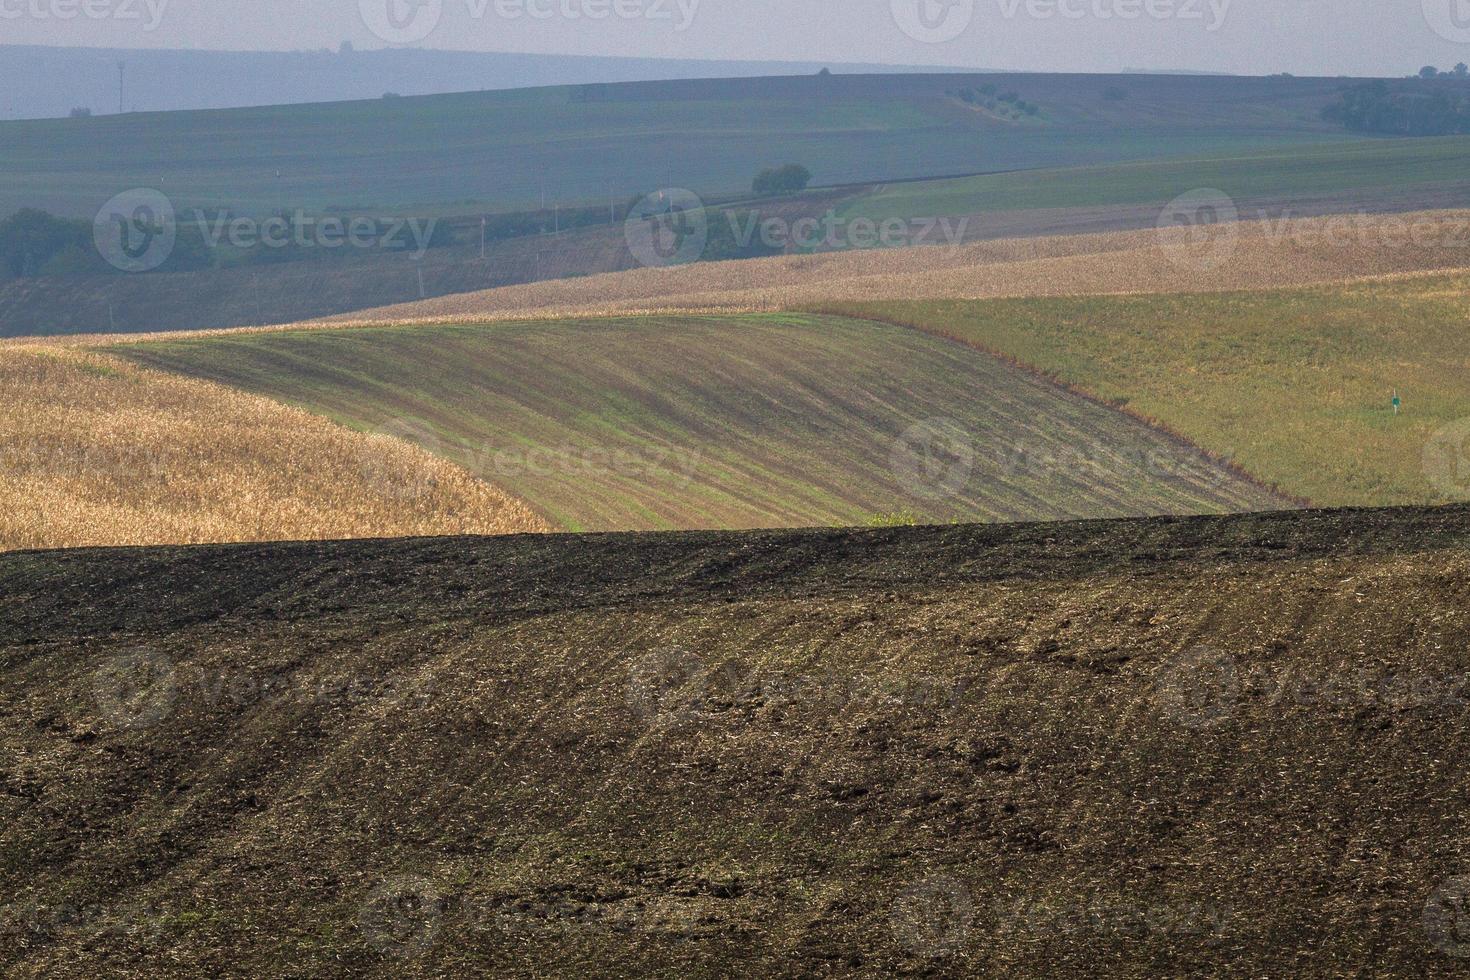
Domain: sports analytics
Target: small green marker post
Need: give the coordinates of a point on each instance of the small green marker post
(1397, 402)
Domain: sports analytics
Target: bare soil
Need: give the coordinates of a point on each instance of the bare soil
(1221, 746)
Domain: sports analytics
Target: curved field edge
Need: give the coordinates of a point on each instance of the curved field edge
(1257, 254)
(1018, 750)
(728, 422)
(100, 451)
(1292, 386)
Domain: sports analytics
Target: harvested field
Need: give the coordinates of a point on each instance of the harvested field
(1293, 385)
(98, 451)
(1246, 255)
(728, 422)
(1229, 746)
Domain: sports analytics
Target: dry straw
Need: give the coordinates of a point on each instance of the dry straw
(100, 452)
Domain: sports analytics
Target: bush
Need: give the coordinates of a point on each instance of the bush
(81, 112)
(790, 179)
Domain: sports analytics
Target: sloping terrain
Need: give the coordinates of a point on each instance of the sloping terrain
(584, 144)
(1294, 385)
(1354, 174)
(1172, 747)
(1243, 255)
(727, 422)
(98, 451)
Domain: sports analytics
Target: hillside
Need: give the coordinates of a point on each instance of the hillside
(97, 451)
(1293, 385)
(525, 148)
(1376, 177)
(1181, 747)
(50, 81)
(1246, 255)
(1339, 178)
(733, 422)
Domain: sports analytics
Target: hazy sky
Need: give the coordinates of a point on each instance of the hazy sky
(1329, 37)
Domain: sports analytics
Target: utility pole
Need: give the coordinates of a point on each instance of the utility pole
(482, 238)
(122, 68)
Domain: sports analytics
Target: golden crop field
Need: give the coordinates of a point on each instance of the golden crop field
(1243, 255)
(97, 451)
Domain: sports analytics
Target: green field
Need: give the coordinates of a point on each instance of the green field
(757, 421)
(1358, 168)
(1293, 386)
(516, 149)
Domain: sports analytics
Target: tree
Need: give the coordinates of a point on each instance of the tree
(790, 179)
(81, 112)
(29, 239)
(1429, 71)
(1461, 70)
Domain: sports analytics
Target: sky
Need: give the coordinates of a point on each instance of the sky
(1305, 37)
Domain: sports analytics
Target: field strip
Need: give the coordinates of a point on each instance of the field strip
(99, 451)
(731, 421)
(1259, 256)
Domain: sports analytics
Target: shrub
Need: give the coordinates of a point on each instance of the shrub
(789, 179)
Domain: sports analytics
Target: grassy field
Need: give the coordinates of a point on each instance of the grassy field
(517, 149)
(1352, 172)
(1292, 385)
(974, 751)
(97, 451)
(762, 421)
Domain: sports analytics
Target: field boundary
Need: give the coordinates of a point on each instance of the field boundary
(1042, 374)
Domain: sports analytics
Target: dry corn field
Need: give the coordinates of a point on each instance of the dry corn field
(1247, 255)
(100, 452)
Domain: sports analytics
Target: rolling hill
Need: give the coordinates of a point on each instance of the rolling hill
(1333, 177)
(1246, 255)
(537, 147)
(97, 451)
(729, 422)
(1172, 747)
(1294, 385)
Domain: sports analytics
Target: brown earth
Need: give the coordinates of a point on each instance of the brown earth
(1220, 746)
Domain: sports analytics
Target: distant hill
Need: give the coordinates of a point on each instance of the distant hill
(589, 143)
(46, 82)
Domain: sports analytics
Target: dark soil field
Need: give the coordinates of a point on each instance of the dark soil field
(1205, 746)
